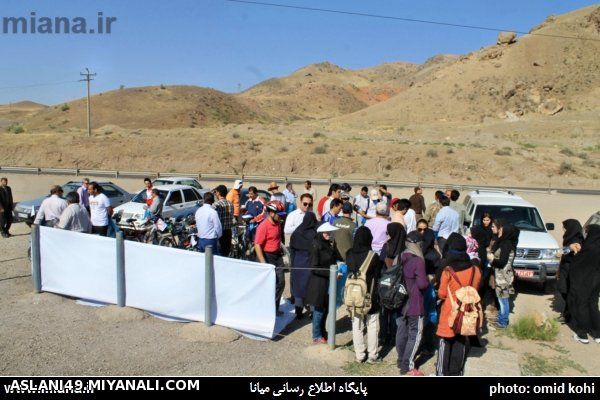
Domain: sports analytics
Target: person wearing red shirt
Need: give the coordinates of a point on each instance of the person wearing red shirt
(267, 244)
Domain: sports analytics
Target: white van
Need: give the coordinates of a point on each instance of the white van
(536, 251)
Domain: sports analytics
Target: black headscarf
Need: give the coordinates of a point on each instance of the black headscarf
(360, 248)
(510, 233)
(395, 244)
(573, 232)
(456, 254)
(483, 241)
(304, 235)
(453, 242)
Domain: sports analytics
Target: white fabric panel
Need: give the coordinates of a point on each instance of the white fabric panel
(158, 279)
(245, 294)
(78, 264)
(164, 280)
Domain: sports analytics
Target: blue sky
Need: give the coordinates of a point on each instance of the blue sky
(227, 46)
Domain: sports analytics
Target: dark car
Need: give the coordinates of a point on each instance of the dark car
(25, 211)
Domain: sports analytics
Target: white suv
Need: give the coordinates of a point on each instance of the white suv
(536, 251)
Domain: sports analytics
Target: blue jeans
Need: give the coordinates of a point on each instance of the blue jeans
(203, 243)
(319, 317)
(504, 311)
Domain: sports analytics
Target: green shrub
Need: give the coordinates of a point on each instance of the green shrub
(527, 328)
(432, 153)
(567, 152)
(505, 151)
(565, 168)
(15, 128)
(65, 107)
(320, 150)
(318, 135)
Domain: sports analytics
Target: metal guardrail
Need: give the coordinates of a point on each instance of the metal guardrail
(291, 179)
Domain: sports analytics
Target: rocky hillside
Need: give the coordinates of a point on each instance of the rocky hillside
(517, 77)
(326, 90)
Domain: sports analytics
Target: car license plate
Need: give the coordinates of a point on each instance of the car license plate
(524, 273)
(23, 215)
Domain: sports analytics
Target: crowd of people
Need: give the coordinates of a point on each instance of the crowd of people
(374, 235)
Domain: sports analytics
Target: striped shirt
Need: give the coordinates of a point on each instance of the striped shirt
(225, 210)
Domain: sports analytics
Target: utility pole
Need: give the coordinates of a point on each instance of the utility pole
(88, 78)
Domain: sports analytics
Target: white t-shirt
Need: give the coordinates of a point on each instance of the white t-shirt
(99, 210)
(411, 220)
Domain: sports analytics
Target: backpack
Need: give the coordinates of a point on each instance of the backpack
(392, 288)
(466, 315)
(357, 298)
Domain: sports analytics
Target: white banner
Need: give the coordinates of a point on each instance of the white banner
(78, 265)
(245, 294)
(161, 280)
(165, 280)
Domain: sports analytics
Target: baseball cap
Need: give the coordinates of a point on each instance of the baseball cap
(238, 184)
(374, 194)
(381, 208)
(347, 208)
(326, 227)
(394, 201)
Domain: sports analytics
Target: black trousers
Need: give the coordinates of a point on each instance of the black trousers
(100, 230)
(225, 243)
(277, 260)
(5, 221)
(452, 356)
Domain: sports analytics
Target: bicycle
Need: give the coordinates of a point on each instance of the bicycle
(242, 245)
(179, 234)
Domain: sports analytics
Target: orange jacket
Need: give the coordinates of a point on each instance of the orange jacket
(234, 197)
(444, 329)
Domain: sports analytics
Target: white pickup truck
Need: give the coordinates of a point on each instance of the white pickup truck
(536, 251)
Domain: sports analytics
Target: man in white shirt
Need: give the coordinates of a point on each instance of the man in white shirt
(100, 210)
(294, 219)
(208, 225)
(362, 203)
(408, 214)
(51, 208)
(75, 217)
(309, 189)
(446, 222)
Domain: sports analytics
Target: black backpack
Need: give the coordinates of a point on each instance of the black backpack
(392, 288)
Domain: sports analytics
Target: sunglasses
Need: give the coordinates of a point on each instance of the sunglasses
(307, 204)
(422, 229)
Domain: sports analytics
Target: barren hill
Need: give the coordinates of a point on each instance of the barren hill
(148, 107)
(536, 75)
(14, 113)
(22, 106)
(326, 90)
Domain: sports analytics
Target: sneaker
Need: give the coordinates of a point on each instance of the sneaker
(320, 341)
(597, 340)
(581, 339)
(374, 361)
(414, 372)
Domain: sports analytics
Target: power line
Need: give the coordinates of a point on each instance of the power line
(421, 21)
(37, 85)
